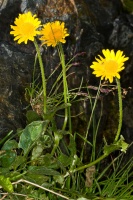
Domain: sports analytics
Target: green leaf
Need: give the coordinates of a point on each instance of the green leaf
(59, 179)
(13, 175)
(10, 144)
(57, 137)
(63, 106)
(65, 160)
(119, 145)
(31, 134)
(32, 116)
(39, 179)
(2, 153)
(44, 142)
(42, 170)
(18, 161)
(6, 184)
(4, 171)
(72, 145)
(122, 144)
(37, 151)
(48, 160)
(110, 148)
(8, 159)
(51, 112)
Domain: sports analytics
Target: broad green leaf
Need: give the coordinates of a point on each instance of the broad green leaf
(31, 134)
(59, 179)
(6, 184)
(18, 161)
(75, 162)
(72, 160)
(47, 160)
(2, 153)
(65, 160)
(4, 171)
(44, 142)
(8, 159)
(13, 175)
(10, 144)
(37, 151)
(32, 116)
(47, 141)
(42, 170)
(36, 178)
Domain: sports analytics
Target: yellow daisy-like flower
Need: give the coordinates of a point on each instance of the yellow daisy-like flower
(53, 33)
(110, 66)
(26, 27)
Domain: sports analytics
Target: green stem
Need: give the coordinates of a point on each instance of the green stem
(120, 110)
(43, 77)
(65, 87)
(90, 164)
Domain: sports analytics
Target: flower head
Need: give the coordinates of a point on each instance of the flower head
(53, 33)
(110, 66)
(26, 27)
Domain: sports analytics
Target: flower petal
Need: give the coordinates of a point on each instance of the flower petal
(25, 27)
(110, 66)
(53, 33)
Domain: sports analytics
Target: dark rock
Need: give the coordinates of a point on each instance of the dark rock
(15, 75)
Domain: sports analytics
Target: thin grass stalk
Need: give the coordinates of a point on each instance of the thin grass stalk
(126, 190)
(6, 137)
(91, 117)
(123, 177)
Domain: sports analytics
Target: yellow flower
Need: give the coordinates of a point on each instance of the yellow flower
(110, 66)
(53, 33)
(26, 27)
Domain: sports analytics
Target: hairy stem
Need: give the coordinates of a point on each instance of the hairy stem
(65, 89)
(43, 77)
(120, 110)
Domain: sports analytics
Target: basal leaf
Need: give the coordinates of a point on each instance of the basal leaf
(10, 144)
(39, 179)
(8, 159)
(72, 145)
(65, 160)
(31, 134)
(6, 184)
(37, 151)
(18, 161)
(32, 116)
(42, 171)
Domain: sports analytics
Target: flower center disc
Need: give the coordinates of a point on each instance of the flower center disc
(56, 35)
(27, 28)
(110, 67)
